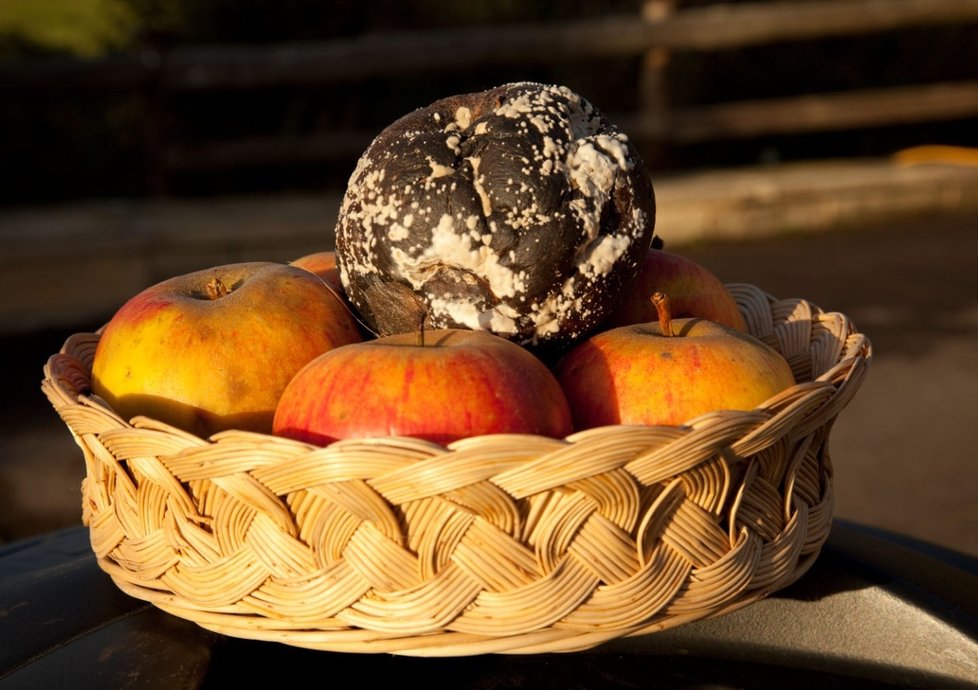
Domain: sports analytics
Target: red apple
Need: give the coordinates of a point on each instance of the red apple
(214, 349)
(668, 372)
(692, 288)
(456, 384)
(323, 264)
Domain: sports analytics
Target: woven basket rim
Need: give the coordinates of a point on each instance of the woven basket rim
(860, 350)
(740, 500)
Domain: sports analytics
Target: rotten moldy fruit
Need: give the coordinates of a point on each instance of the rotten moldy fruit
(520, 210)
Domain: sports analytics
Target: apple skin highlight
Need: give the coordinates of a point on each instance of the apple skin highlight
(458, 384)
(637, 375)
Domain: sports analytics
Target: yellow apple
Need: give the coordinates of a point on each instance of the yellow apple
(214, 349)
(668, 372)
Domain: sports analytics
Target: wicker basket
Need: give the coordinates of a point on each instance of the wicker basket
(516, 544)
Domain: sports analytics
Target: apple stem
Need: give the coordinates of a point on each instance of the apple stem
(424, 315)
(216, 288)
(661, 302)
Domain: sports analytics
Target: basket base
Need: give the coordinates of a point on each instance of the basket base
(824, 629)
(433, 645)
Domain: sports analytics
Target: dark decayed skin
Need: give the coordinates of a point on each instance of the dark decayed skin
(520, 210)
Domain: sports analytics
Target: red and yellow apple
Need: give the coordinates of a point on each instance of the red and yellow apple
(214, 349)
(668, 372)
(455, 384)
(694, 291)
(323, 264)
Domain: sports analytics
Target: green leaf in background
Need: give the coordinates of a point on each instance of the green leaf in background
(87, 28)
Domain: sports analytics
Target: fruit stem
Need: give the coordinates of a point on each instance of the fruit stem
(216, 288)
(661, 302)
(424, 315)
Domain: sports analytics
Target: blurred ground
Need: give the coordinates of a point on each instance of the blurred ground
(904, 450)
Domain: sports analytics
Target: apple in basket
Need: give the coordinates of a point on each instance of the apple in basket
(214, 349)
(323, 264)
(668, 372)
(693, 290)
(440, 385)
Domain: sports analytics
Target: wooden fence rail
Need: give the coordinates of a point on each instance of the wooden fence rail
(710, 28)
(702, 29)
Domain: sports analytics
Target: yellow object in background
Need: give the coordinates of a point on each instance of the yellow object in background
(87, 28)
(937, 154)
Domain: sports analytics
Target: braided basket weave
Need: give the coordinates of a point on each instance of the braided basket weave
(509, 543)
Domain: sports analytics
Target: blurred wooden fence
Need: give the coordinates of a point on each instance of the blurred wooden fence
(81, 260)
(663, 29)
